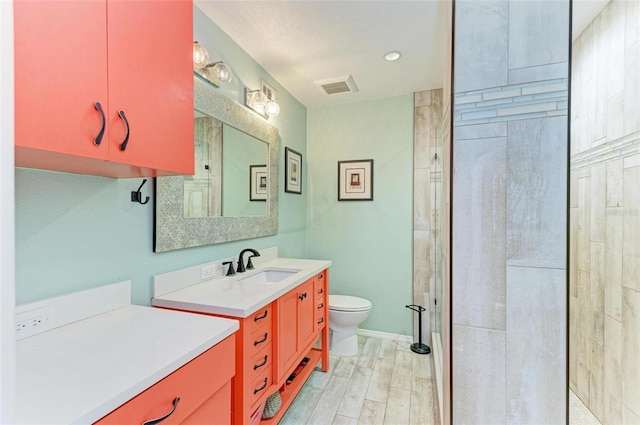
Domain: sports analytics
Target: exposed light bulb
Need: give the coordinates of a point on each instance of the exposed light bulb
(259, 99)
(272, 108)
(221, 71)
(200, 56)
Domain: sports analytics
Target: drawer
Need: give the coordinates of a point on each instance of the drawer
(260, 363)
(259, 339)
(259, 387)
(258, 319)
(319, 319)
(194, 383)
(319, 286)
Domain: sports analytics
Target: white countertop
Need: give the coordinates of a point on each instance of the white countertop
(82, 371)
(226, 296)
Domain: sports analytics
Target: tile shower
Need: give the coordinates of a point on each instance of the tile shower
(604, 289)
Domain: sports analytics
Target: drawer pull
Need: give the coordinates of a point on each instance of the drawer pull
(320, 276)
(321, 306)
(260, 341)
(257, 390)
(157, 421)
(98, 138)
(321, 291)
(123, 145)
(321, 321)
(255, 319)
(302, 296)
(259, 365)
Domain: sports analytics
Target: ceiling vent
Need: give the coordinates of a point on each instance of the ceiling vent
(338, 85)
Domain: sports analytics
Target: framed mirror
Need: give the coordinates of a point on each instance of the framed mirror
(227, 198)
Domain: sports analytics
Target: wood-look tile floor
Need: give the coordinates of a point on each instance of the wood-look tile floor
(386, 383)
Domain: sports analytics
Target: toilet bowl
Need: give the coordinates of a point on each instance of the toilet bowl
(345, 314)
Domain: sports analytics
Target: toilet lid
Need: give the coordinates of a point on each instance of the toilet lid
(348, 303)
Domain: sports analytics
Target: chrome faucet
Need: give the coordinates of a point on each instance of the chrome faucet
(241, 267)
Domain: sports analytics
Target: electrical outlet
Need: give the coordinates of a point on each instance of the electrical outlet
(208, 272)
(33, 322)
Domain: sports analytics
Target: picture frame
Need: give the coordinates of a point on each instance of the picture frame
(355, 180)
(292, 171)
(258, 182)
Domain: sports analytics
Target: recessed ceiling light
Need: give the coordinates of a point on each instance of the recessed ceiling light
(394, 55)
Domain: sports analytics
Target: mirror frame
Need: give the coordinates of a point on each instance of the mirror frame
(171, 229)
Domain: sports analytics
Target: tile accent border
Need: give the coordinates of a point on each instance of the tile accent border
(539, 99)
(619, 148)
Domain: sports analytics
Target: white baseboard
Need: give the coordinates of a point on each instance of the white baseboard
(437, 360)
(386, 335)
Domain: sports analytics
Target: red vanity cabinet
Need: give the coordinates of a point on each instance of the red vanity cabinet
(203, 386)
(129, 56)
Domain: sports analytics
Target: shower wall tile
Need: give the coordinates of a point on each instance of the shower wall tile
(422, 98)
(538, 33)
(614, 183)
(584, 328)
(481, 44)
(421, 136)
(612, 371)
(631, 348)
(598, 201)
(421, 199)
(631, 229)
(537, 192)
(574, 338)
(615, 48)
(573, 250)
(421, 267)
(573, 189)
(596, 381)
(629, 417)
(631, 67)
(597, 293)
(478, 376)
(536, 319)
(613, 263)
(583, 256)
(480, 131)
(479, 232)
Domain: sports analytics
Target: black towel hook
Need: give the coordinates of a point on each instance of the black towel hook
(136, 196)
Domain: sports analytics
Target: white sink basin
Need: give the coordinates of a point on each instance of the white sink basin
(267, 276)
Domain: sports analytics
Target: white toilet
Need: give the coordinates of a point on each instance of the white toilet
(345, 314)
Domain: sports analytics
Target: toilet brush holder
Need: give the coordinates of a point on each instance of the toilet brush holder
(419, 347)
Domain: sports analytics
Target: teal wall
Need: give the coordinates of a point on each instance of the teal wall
(74, 232)
(370, 243)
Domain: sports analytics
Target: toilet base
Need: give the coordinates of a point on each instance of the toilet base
(344, 343)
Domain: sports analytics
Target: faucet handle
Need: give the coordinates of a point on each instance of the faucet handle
(230, 272)
(250, 263)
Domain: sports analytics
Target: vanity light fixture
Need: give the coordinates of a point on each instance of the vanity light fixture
(215, 72)
(262, 101)
(393, 55)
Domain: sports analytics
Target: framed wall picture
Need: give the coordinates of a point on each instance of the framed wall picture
(292, 171)
(355, 180)
(258, 182)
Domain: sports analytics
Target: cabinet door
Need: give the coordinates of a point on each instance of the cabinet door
(151, 81)
(60, 73)
(287, 342)
(306, 314)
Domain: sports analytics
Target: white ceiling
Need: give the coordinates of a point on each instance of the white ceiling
(299, 42)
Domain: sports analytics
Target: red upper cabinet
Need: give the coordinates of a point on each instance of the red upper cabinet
(131, 57)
